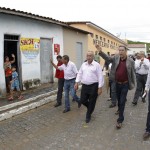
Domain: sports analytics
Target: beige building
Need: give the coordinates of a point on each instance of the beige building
(75, 43)
(100, 36)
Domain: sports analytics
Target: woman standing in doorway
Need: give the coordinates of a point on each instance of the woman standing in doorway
(8, 72)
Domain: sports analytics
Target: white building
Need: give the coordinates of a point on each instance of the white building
(34, 40)
(136, 48)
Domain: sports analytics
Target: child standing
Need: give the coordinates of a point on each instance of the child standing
(14, 84)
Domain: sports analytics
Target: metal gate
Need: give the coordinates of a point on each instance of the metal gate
(79, 55)
(46, 67)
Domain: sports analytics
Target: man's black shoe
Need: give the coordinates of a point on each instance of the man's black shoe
(88, 119)
(112, 105)
(66, 110)
(73, 100)
(117, 112)
(57, 104)
(79, 104)
(146, 135)
(134, 103)
(143, 100)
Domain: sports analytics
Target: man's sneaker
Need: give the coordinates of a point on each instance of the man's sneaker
(66, 110)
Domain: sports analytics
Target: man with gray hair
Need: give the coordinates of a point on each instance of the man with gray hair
(141, 68)
(91, 77)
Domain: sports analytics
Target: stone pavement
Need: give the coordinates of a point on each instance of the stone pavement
(47, 128)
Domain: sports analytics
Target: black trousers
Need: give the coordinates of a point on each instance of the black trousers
(141, 81)
(60, 90)
(88, 97)
(148, 115)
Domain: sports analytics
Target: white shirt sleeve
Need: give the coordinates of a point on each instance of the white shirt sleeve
(147, 86)
(137, 64)
(75, 69)
(100, 76)
(79, 75)
(146, 63)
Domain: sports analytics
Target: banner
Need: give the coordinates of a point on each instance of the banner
(30, 47)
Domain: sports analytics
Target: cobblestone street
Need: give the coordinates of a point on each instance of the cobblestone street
(47, 128)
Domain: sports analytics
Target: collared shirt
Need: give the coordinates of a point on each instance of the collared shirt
(90, 73)
(121, 72)
(143, 68)
(59, 73)
(147, 86)
(70, 70)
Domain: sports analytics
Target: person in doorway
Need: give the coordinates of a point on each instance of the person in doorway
(123, 73)
(8, 71)
(141, 68)
(60, 76)
(91, 77)
(15, 85)
(70, 73)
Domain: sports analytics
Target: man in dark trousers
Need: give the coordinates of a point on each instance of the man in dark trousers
(60, 75)
(123, 73)
(146, 135)
(91, 77)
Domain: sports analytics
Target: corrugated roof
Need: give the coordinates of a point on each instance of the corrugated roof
(37, 17)
(30, 15)
(136, 45)
(90, 23)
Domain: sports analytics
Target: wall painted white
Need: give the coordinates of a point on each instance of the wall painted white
(133, 51)
(27, 28)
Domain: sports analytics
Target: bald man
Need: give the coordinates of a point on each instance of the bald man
(91, 77)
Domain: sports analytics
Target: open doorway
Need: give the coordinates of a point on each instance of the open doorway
(11, 46)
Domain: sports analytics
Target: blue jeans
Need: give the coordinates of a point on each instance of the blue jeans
(69, 87)
(122, 91)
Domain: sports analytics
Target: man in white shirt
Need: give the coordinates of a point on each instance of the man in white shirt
(91, 77)
(70, 73)
(141, 69)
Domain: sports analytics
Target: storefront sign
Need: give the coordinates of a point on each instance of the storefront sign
(30, 47)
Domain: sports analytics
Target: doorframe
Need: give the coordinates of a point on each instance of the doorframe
(19, 64)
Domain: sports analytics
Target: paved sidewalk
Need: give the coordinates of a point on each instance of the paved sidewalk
(44, 88)
(47, 128)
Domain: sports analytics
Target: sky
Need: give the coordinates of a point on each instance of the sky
(127, 19)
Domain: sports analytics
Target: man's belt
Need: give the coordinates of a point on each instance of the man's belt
(122, 82)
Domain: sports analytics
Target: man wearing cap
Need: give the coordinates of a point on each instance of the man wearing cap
(123, 73)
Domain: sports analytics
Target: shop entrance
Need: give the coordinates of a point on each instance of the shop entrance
(11, 46)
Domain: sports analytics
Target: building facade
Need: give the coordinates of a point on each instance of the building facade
(34, 40)
(98, 35)
(136, 48)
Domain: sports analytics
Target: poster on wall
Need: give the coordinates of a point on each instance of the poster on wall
(56, 49)
(30, 48)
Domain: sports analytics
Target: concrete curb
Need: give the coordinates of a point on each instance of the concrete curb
(10, 111)
(20, 107)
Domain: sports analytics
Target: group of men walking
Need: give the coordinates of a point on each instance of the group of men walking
(123, 74)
